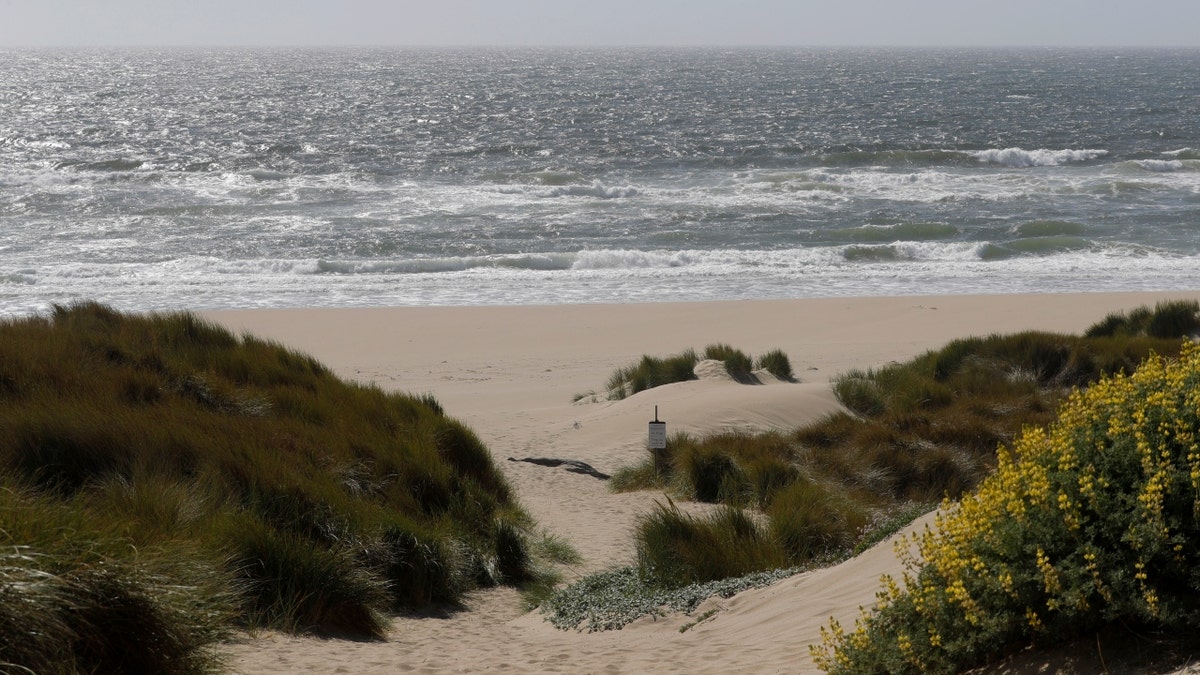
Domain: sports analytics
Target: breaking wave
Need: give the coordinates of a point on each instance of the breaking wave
(553, 190)
(1020, 158)
(538, 261)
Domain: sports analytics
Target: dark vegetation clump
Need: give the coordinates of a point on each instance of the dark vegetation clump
(676, 549)
(914, 434)
(776, 363)
(163, 480)
(1172, 318)
(737, 363)
(654, 371)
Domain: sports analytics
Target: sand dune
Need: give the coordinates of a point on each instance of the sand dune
(511, 374)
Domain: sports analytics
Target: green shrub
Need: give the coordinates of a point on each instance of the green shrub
(767, 475)
(1092, 522)
(777, 363)
(292, 585)
(105, 617)
(858, 391)
(676, 549)
(930, 426)
(513, 561)
(73, 599)
(1173, 319)
(810, 520)
(546, 553)
(652, 372)
(734, 467)
(712, 474)
(1110, 326)
(1168, 319)
(737, 363)
(641, 476)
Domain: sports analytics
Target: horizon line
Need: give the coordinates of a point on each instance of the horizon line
(595, 46)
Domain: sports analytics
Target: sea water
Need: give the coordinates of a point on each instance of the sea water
(168, 179)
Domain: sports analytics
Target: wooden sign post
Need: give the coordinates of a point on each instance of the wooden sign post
(658, 444)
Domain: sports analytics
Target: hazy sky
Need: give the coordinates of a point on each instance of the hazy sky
(602, 22)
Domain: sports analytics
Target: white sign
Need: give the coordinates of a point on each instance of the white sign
(658, 435)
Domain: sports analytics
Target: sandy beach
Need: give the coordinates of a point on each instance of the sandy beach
(512, 374)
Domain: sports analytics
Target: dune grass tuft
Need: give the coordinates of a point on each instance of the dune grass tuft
(653, 371)
(1168, 319)
(548, 552)
(737, 363)
(777, 363)
(76, 597)
(306, 503)
(676, 549)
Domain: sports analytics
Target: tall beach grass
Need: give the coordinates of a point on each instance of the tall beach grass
(163, 464)
(654, 371)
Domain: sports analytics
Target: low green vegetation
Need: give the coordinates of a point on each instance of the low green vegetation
(916, 433)
(612, 600)
(1167, 320)
(550, 553)
(76, 596)
(1091, 523)
(736, 362)
(162, 480)
(924, 430)
(776, 363)
(677, 549)
(654, 371)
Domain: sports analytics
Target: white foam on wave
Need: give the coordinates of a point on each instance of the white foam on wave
(734, 261)
(21, 277)
(1021, 158)
(930, 186)
(648, 263)
(595, 190)
(266, 175)
(25, 143)
(910, 251)
(200, 282)
(556, 185)
(935, 251)
(633, 259)
(1161, 165)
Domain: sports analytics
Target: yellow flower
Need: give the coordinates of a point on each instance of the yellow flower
(1032, 617)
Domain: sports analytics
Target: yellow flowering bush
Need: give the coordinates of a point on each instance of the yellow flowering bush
(1093, 520)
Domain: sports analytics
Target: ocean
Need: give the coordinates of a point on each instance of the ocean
(203, 179)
